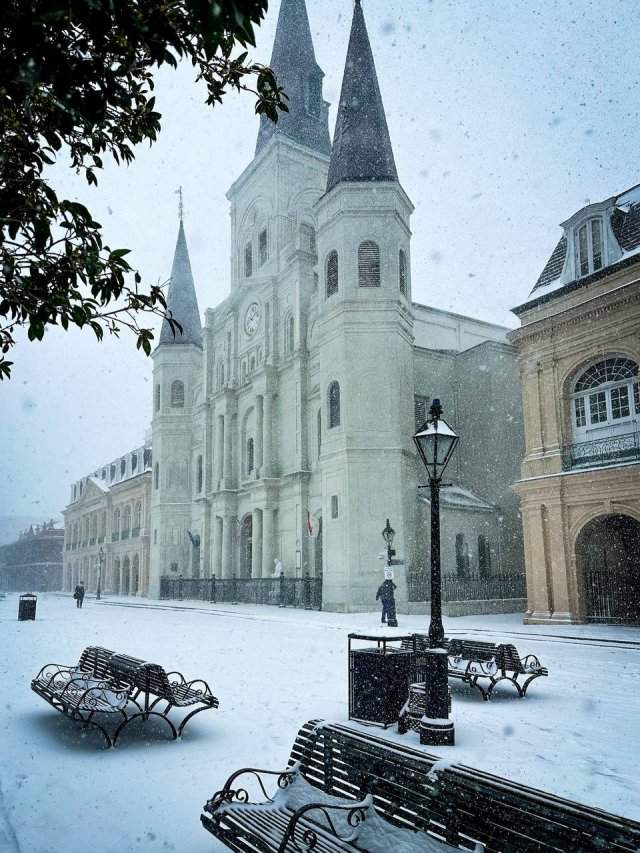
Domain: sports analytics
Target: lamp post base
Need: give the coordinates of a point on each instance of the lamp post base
(437, 732)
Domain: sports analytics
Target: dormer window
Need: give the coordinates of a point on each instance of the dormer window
(589, 248)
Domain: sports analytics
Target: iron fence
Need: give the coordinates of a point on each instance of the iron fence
(602, 451)
(612, 597)
(469, 588)
(305, 592)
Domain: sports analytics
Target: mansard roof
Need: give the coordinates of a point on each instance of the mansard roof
(361, 144)
(621, 217)
(182, 301)
(294, 63)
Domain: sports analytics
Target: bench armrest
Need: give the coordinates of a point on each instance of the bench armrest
(531, 663)
(356, 814)
(51, 670)
(230, 794)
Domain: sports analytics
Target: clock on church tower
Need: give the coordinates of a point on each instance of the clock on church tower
(252, 319)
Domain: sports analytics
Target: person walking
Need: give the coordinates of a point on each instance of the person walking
(385, 595)
(79, 594)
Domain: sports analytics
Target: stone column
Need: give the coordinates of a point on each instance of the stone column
(227, 541)
(267, 448)
(217, 547)
(259, 460)
(267, 542)
(256, 550)
(228, 460)
(219, 449)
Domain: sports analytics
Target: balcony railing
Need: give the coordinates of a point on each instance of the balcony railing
(608, 450)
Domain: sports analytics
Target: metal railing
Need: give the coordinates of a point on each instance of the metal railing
(612, 597)
(602, 451)
(305, 592)
(470, 588)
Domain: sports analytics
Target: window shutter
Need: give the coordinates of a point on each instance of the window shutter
(369, 264)
(332, 274)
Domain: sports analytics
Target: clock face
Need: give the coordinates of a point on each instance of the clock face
(252, 318)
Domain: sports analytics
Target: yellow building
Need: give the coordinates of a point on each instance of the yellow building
(579, 351)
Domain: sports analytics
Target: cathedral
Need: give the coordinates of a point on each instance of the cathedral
(282, 426)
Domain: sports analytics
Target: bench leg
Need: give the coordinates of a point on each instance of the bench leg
(145, 716)
(473, 682)
(523, 687)
(88, 721)
(495, 681)
(189, 716)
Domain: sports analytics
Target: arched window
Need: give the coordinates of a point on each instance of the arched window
(332, 273)
(103, 525)
(484, 556)
(262, 246)
(156, 475)
(402, 271)
(137, 517)
(199, 472)
(126, 520)
(319, 431)
(177, 394)
(116, 522)
(589, 247)
(606, 399)
(462, 556)
(157, 398)
(248, 261)
(334, 405)
(249, 455)
(369, 264)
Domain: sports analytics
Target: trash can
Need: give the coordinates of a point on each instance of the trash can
(27, 606)
(379, 678)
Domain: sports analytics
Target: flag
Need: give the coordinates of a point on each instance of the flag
(310, 530)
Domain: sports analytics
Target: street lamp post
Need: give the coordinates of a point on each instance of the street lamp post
(435, 442)
(388, 535)
(100, 562)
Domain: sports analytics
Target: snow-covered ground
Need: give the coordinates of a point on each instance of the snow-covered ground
(577, 733)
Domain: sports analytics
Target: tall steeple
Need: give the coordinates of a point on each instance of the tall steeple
(361, 145)
(181, 299)
(294, 63)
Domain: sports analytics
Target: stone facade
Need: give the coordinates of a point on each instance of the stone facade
(579, 351)
(292, 411)
(109, 513)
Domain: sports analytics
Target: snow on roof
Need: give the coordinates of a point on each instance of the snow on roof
(455, 497)
(99, 483)
(629, 198)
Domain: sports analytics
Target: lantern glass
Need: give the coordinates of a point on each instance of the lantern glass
(388, 534)
(435, 442)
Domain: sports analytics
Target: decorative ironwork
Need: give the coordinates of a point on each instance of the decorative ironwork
(277, 591)
(471, 588)
(602, 451)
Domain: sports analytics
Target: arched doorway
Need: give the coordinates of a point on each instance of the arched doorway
(608, 561)
(125, 579)
(115, 578)
(246, 546)
(135, 575)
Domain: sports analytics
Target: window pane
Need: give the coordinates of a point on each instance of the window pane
(581, 415)
(248, 261)
(598, 407)
(636, 397)
(262, 246)
(369, 264)
(596, 243)
(620, 402)
(402, 264)
(583, 251)
(332, 274)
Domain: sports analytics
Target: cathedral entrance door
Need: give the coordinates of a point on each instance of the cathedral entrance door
(246, 546)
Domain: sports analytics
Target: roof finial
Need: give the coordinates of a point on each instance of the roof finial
(180, 203)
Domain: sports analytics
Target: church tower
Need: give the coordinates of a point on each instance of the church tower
(177, 371)
(365, 341)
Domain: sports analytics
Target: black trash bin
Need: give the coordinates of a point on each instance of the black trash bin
(379, 678)
(27, 606)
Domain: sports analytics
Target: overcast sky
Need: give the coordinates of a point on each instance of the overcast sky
(504, 118)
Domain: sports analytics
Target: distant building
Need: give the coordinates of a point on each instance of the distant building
(293, 409)
(109, 512)
(34, 562)
(579, 350)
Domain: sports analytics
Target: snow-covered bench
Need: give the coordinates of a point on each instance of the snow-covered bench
(84, 692)
(346, 789)
(473, 661)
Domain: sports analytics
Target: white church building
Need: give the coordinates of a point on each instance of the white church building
(282, 427)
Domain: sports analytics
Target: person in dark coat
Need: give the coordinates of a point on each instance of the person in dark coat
(79, 594)
(385, 594)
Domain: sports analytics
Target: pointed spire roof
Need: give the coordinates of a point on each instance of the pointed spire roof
(361, 144)
(294, 63)
(181, 299)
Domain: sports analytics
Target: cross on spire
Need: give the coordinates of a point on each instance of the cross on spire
(180, 203)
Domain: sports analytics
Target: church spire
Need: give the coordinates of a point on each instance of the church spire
(181, 299)
(361, 145)
(294, 63)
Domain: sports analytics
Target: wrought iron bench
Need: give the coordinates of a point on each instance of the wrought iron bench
(473, 660)
(83, 691)
(151, 685)
(359, 791)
